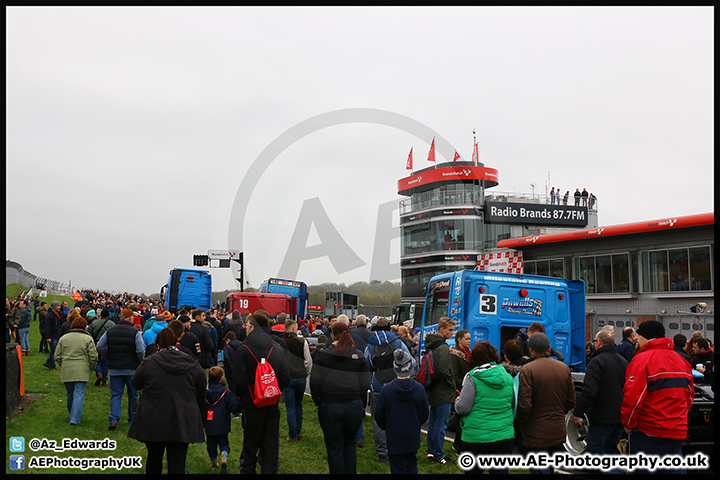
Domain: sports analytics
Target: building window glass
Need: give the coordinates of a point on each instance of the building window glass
(530, 268)
(677, 270)
(603, 274)
(658, 271)
(416, 239)
(556, 268)
(700, 268)
(415, 280)
(543, 268)
(621, 274)
(586, 272)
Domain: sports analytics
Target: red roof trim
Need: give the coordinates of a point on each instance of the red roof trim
(625, 229)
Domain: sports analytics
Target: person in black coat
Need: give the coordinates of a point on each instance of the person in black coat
(339, 382)
(168, 414)
(680, 341)
(236, 325)
(627, 346)
(602, 395)
(196, 327)
(261, 424)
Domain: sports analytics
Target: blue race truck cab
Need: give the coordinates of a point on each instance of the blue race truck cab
(495, 306)
(294, 289)
(187, 287)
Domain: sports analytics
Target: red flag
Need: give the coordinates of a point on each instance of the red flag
(431, 155)
(475, 153)
(408, 165)
(457, 155)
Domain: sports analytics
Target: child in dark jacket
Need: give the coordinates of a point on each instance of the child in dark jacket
(401, 410)
(219, 404)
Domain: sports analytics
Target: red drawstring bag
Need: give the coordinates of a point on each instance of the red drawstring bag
(266, 390)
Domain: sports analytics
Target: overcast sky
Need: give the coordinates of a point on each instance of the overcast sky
(130, 130)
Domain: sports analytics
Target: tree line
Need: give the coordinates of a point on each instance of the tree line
(374, 292)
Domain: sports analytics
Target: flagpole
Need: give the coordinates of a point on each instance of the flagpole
(477, 154)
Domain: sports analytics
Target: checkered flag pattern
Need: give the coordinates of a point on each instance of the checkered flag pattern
(513, 259)
(537, 308)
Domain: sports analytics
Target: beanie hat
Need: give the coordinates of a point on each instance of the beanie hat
(154, 311)
(91, 314)
(539, 342)
(651, 329)
(54, 304)
(262, 318)
(403, 364)
(167, 315)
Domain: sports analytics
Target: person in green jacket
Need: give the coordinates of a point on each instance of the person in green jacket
(486, 405)
(443, 393)
(76, 356)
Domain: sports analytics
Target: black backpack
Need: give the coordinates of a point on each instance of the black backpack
(382, 361)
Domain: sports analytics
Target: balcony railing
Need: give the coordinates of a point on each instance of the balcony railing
(428, 200)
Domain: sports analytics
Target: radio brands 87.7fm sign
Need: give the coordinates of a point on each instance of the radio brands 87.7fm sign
(535, 214)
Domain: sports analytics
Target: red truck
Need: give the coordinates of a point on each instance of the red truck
(273, 303)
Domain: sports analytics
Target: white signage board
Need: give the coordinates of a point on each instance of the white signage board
(223, 254)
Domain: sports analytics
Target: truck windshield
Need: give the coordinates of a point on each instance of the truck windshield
(437, 302)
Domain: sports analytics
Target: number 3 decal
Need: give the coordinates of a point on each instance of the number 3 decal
(488, 304)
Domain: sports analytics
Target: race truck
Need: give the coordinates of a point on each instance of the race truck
(297, 291)
(273, 303)
(495, 306)
(408, 314)
(187, 287)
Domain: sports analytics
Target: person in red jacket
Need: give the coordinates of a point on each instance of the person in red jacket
(657, 395)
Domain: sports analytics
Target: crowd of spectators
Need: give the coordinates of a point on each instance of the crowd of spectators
(187, 374)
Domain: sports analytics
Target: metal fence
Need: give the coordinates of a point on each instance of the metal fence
(14, 273)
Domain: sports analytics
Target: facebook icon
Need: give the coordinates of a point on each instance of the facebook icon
(17, 462)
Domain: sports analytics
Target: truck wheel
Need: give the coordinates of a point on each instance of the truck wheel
(576, 438)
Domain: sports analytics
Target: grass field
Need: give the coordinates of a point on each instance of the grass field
(48, 418)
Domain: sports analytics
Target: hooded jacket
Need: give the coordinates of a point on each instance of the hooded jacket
(172, 400)
(229, 352)
(444, 391)
(658, 392)
(76, 355)
(222, 406)
(25, 317)
(545, 394)
(379, 337)
(150, 336)
(486, 403)
(458, 360)
(402, 408)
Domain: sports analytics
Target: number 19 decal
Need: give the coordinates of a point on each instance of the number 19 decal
(488, 304)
